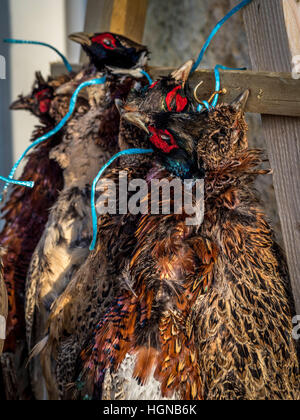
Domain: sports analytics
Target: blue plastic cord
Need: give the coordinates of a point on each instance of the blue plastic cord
(59, 126)
(216, 29)
(21, 41)
(28, 184)
(96, 180)
(147, 75)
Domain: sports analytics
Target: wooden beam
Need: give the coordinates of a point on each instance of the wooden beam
(271, 93)
(270, 51)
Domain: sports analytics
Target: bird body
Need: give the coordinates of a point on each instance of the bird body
(25, 214)
(64, 244)
(26, 211)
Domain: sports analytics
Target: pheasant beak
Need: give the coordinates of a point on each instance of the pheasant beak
(81, 38)
(241, 101)
(21, 104)
(136, 119)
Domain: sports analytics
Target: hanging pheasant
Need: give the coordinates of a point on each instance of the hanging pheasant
(168, 93)
(208, 309)
(25, 214)
(74, 314)
(90, 140)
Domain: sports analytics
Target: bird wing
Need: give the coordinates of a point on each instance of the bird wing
(3, 306)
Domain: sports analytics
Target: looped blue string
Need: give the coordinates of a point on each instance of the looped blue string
(58, 127)
(96, 180)
(22, 41)
(216, 29)
(148, 76)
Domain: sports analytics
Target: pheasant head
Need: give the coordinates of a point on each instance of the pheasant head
(39, 101)
(108, 49)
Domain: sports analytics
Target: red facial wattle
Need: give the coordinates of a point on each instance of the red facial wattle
(174, 98)
(159, 143)
(101, 39)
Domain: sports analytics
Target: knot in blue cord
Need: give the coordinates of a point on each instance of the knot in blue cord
(96, 180)
(44, 44)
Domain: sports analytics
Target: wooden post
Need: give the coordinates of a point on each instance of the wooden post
(124, 17)
(267, 29)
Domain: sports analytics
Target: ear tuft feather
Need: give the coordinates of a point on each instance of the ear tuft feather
(182, 74)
